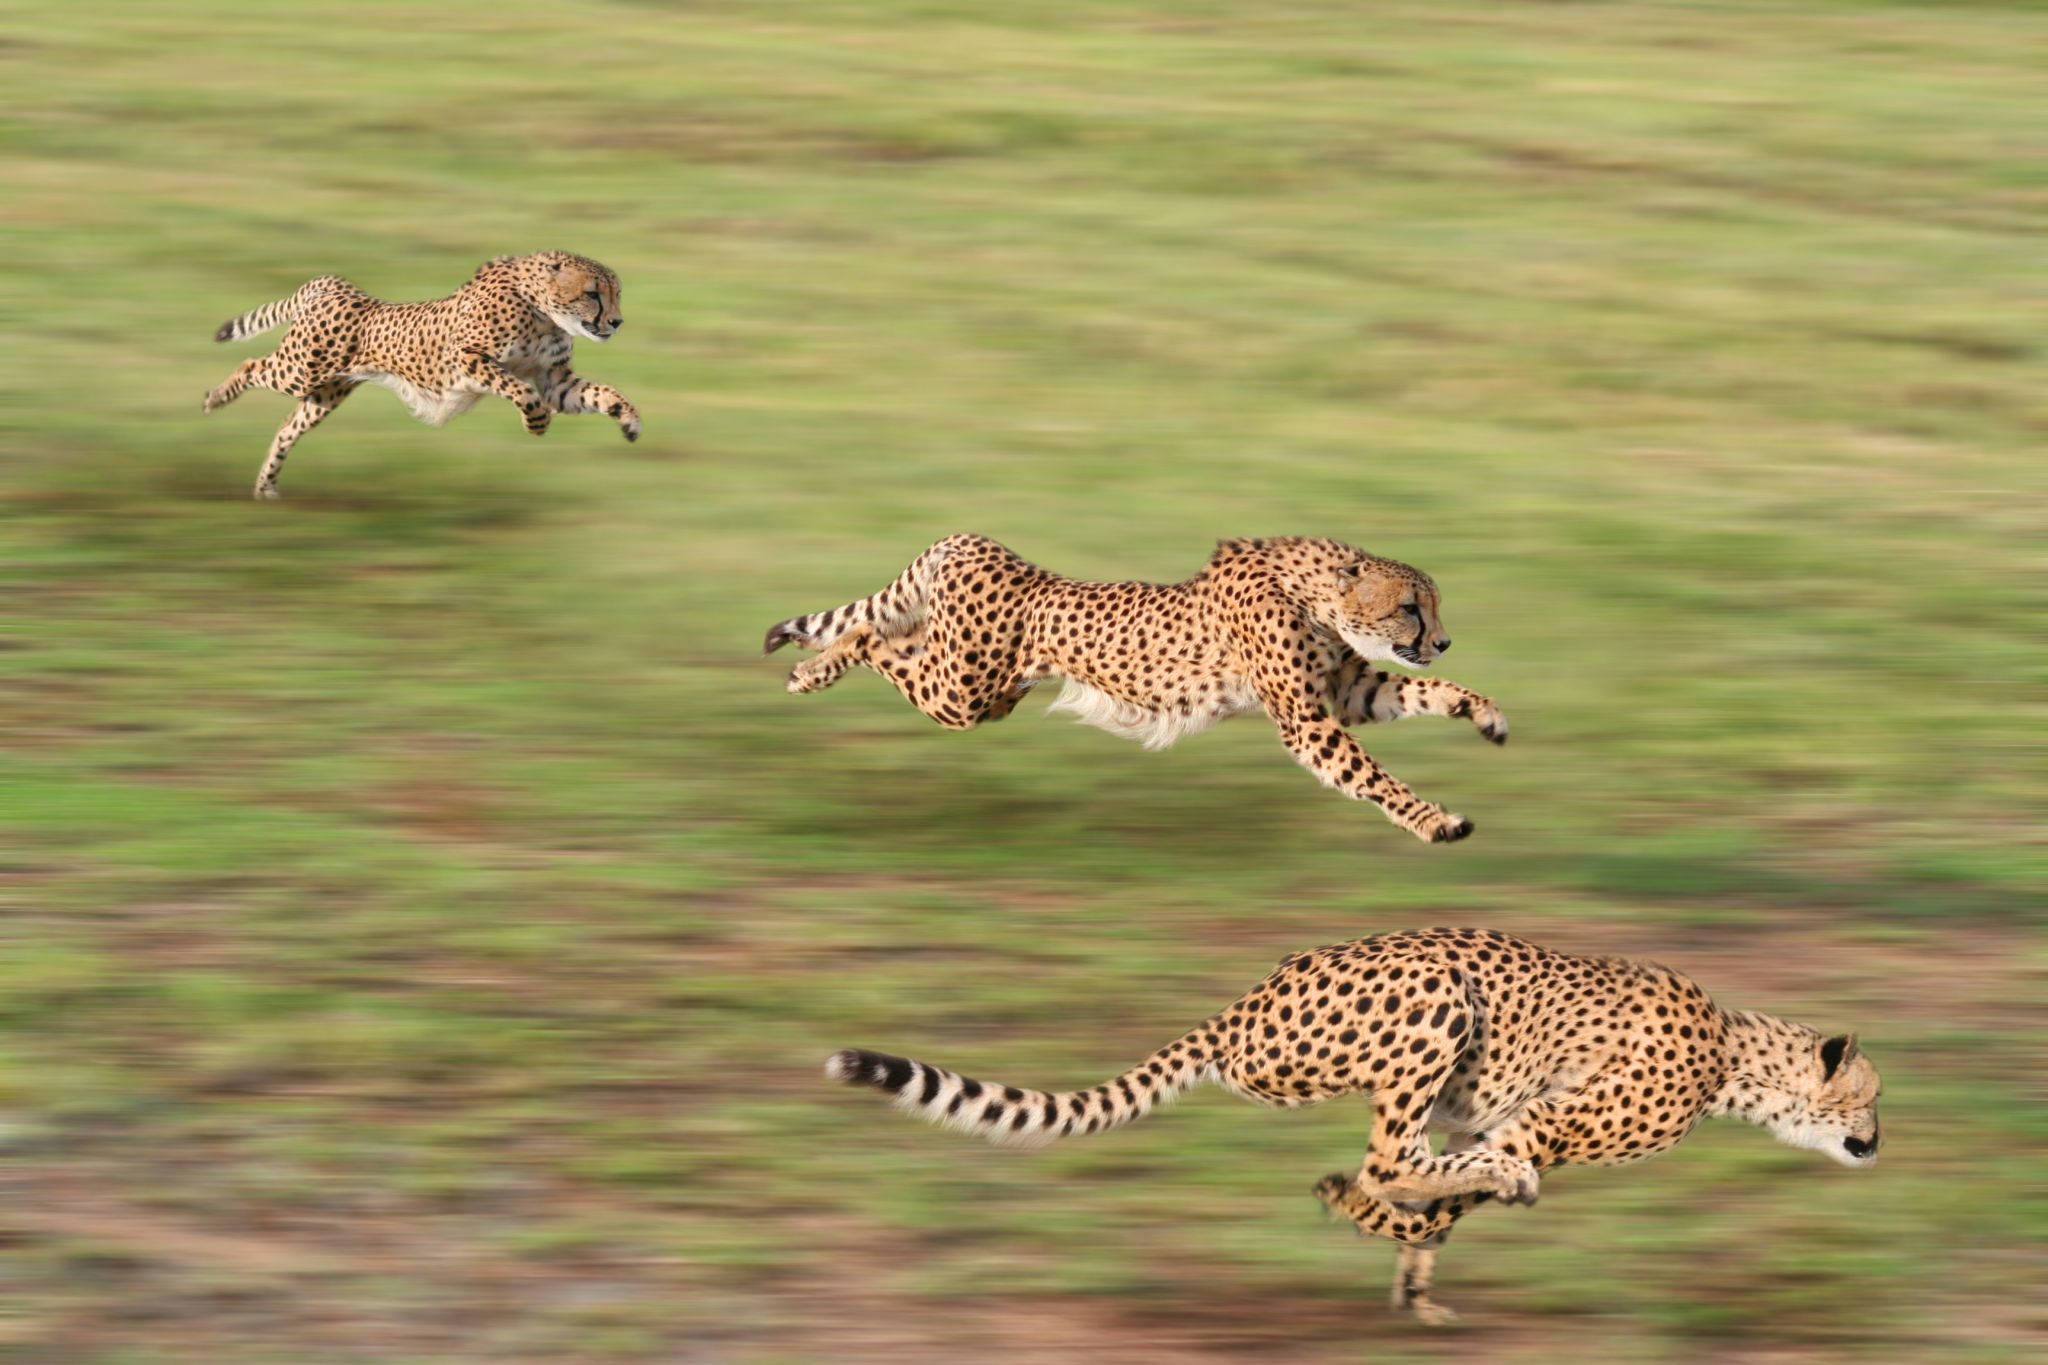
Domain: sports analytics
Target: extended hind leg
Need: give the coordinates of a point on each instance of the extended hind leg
(312, 410)
(896, 609)
(859, 646)
(927, 671)
(265, 373)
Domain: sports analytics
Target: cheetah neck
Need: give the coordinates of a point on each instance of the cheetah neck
(1764, 1057)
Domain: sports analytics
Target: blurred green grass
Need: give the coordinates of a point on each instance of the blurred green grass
(426, 915)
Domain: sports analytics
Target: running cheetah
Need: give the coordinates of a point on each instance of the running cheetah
(509, 331)
(1526, 1059)
(1286, 625)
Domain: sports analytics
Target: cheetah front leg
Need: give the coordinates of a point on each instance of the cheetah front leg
(495, 378)
(1399, 1167)
(1322, 746)
(1363, 695)
(572, 393)
(311, 412)
(1297, 699)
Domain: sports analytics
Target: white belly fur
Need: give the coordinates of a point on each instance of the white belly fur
(432, 408)
(1153, 729)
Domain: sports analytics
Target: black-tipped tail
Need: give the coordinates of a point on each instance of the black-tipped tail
(1010, 1114)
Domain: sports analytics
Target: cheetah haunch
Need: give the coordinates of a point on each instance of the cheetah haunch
(508, 332)
(1526, 1058)
(1288, 625)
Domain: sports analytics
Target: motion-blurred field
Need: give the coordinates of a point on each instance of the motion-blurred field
(426, 914)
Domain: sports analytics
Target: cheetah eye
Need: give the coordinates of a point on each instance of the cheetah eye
(1412, 610)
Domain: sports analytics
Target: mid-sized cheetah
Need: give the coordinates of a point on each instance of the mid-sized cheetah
(1288, 625)
(508, 332)
(1527, 1059)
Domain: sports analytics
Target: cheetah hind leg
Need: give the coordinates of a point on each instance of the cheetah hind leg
(250, 374)
(856, 647)
(1420, 1233)
(1413, 1278)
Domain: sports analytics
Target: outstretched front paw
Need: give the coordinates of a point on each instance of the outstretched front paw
(628, 418)
(1488, 720)
(537, 418)
(1485, 717)
(1442, 827)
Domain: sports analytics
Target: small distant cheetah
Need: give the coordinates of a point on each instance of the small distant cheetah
(1288, 625)
(509, 331)
(1526, 1058)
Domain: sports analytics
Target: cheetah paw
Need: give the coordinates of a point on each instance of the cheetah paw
(1519, 1184)
(809, 677)
(1445, 829)
(629, 427)
(1493, 726)
(1331, 1190)
(267, 492)
(1432, 1314)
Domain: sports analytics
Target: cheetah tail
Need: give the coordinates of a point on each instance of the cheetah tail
(257, 320)
(1005, 1114)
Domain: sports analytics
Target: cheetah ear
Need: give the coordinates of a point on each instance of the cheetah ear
(1351, 573)
(1835, 1053)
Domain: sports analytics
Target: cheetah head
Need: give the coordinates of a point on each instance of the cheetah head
(1833, 1104)
(581, 296)
(1385, 611)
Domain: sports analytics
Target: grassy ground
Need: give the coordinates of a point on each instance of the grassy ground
(426, 915)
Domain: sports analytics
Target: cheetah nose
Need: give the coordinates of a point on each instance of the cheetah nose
(1858, 1148)
(1442, 645)
(617, 323)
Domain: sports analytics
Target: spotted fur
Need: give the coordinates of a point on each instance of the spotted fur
(1289, 626)
(508, 332)
(1527, 1059)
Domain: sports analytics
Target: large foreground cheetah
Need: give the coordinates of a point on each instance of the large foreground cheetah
(1526, 1059)
(1289, 625)
(508, 332)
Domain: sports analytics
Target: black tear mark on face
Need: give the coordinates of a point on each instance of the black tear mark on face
(1832, 1053)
